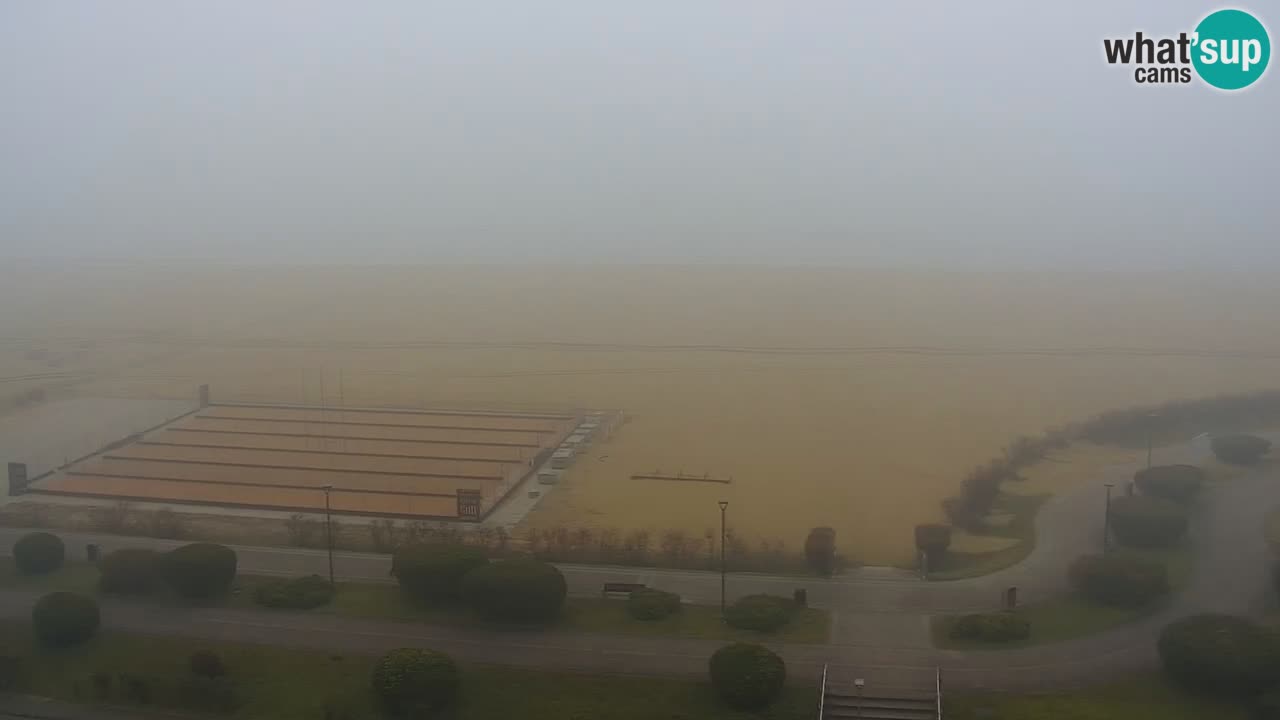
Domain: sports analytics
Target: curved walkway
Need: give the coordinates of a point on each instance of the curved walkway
(879, 623)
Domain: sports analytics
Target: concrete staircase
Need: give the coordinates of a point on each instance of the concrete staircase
(841, 703)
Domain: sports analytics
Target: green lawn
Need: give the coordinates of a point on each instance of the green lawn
(384, 602)
(1022, 526)
(77, 577)
(1140, 697)
(284, 684)
(1070, 616)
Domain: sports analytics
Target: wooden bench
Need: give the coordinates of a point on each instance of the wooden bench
(616, 588)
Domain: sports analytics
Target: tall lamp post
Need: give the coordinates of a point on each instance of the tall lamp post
(1106, 522)
(1151, 431)
(328, 528)
(723, 506)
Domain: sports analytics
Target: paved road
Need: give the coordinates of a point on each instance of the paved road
(879, 623)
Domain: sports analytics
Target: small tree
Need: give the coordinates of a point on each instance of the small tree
(1147, 522)
(432, 574)
(820, 551)
(206, 663)
(63, 619)
(415, 682)
(518, 589)
(165, 523)
(1240, 449)
(38, 553)
(1220, 654)
(933, 539)
(1118, 580)
(199, 571)
(384, 535)
(131, 571)
(746, 676)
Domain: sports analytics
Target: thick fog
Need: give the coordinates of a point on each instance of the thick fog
(934, 134)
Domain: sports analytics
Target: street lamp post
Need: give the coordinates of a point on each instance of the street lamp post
(328, 528)
(1151, 431)
(723, 506)
(1106, 522)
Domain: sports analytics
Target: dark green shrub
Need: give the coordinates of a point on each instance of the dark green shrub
(63, 619)
(199, 571)
(1220, 654)
(206, 663)
(129, 571)
(38, 553)
(1240, 449)
(301, 593)
(1179, 483)
(1118, 580)
(762, 613)
(101, 680)
(991, 627)
(165, 523)
(820, 551)
(649, 604)
(746, 676)
(208, 694)
(1147, 522)
(10, 672)
(519, 589)
(432, 574)
(136, 688)
(415, 682)
(933, 539)
(1267, 705)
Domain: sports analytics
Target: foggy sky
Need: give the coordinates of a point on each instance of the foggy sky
(926, 134)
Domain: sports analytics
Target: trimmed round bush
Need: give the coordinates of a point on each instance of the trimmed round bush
(820, 551)
(649, 604)
(1117, 580)
(303, 593)
(1147, 522)
(206, 663)
(415, 682)
(747, 676)
(1179, 483)
(38, 553)
(208, 694)
(129, 571)
(762, 613)
(199, 571)
(521, 589)
(933, 539)
(432, 574)
(1220, 654)
(991, 627)
(1267, 705)
(63, 619)
(1240, 449)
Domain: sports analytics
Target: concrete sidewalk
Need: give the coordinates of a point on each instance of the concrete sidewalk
(29, 707)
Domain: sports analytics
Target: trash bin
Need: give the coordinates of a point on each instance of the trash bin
(801, 597)
(91, 552)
